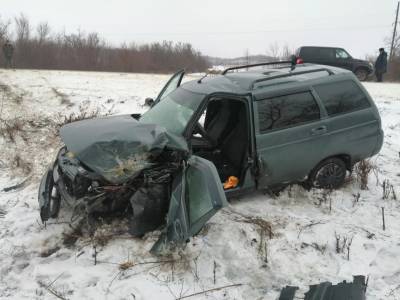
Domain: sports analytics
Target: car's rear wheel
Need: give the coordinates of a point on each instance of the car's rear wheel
(361, 74)
(328, 174)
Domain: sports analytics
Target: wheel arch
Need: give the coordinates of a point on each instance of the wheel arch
(365, 68)
(346, 158)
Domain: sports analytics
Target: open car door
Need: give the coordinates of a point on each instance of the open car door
(173, 83)
(197, 194)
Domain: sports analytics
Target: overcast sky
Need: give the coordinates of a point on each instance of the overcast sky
(224, 28)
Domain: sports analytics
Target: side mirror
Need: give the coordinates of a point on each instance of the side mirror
(136, 116)
(149, 102)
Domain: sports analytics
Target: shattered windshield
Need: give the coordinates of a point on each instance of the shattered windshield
(174, 111)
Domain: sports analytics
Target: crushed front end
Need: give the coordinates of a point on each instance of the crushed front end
(113, 165)
(144, 199)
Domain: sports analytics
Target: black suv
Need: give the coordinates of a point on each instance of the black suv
(337, 57)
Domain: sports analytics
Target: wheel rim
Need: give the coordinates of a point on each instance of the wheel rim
(329, 176)
(361, 75)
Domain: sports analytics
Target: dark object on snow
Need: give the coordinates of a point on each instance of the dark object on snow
(16, 186)
(149, 102)
(288, 292)
(381, 65)
(326, 291)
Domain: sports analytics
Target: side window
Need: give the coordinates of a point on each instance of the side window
(286, 111)
(341, 97)
(326, 53)
(341, 54)
(307, 53)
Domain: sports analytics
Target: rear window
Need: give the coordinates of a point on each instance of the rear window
(317, 53)
(342, 97)
(287, 111)
(308, 53)
(326, 53)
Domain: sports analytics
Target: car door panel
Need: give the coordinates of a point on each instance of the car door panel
(196, 196)
(289, 129)
(354, 133)
(288, 154)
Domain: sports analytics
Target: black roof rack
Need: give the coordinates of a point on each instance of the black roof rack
(291, 62)
(291, 74)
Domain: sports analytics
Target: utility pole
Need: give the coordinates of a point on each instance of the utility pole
(247, 56)
(394, 31)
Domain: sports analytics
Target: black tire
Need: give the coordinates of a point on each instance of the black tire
(51, 209)
(361, 74)
(328, 174)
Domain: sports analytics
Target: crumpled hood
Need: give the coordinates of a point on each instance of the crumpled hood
(118, 147)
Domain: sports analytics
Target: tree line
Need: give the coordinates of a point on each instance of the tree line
(39, 48)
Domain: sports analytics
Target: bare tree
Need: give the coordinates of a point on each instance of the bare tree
(23, 28)
(43, 32)
(89, 51)
(4, 27)
(273, 50)
(247, 56)
(286, 52)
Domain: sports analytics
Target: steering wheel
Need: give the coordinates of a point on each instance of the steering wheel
(200, 130)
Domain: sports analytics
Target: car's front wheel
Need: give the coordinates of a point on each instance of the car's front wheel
(328, 174)
(361, 74)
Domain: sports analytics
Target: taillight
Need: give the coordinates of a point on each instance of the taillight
(299, 61)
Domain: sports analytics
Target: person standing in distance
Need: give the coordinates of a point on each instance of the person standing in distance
(381, 65)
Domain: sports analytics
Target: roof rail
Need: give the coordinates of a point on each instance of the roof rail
(291, 62)
(291, 74)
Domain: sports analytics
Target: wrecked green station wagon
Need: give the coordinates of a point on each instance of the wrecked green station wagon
(210, 139)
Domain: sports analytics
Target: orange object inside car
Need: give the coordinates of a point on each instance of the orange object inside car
(231, 182)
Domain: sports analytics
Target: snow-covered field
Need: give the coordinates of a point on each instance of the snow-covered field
(36, 260)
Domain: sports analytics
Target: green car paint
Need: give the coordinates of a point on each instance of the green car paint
(295, 122)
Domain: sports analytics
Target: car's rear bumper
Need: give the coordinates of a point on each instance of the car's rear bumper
(379, 142)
